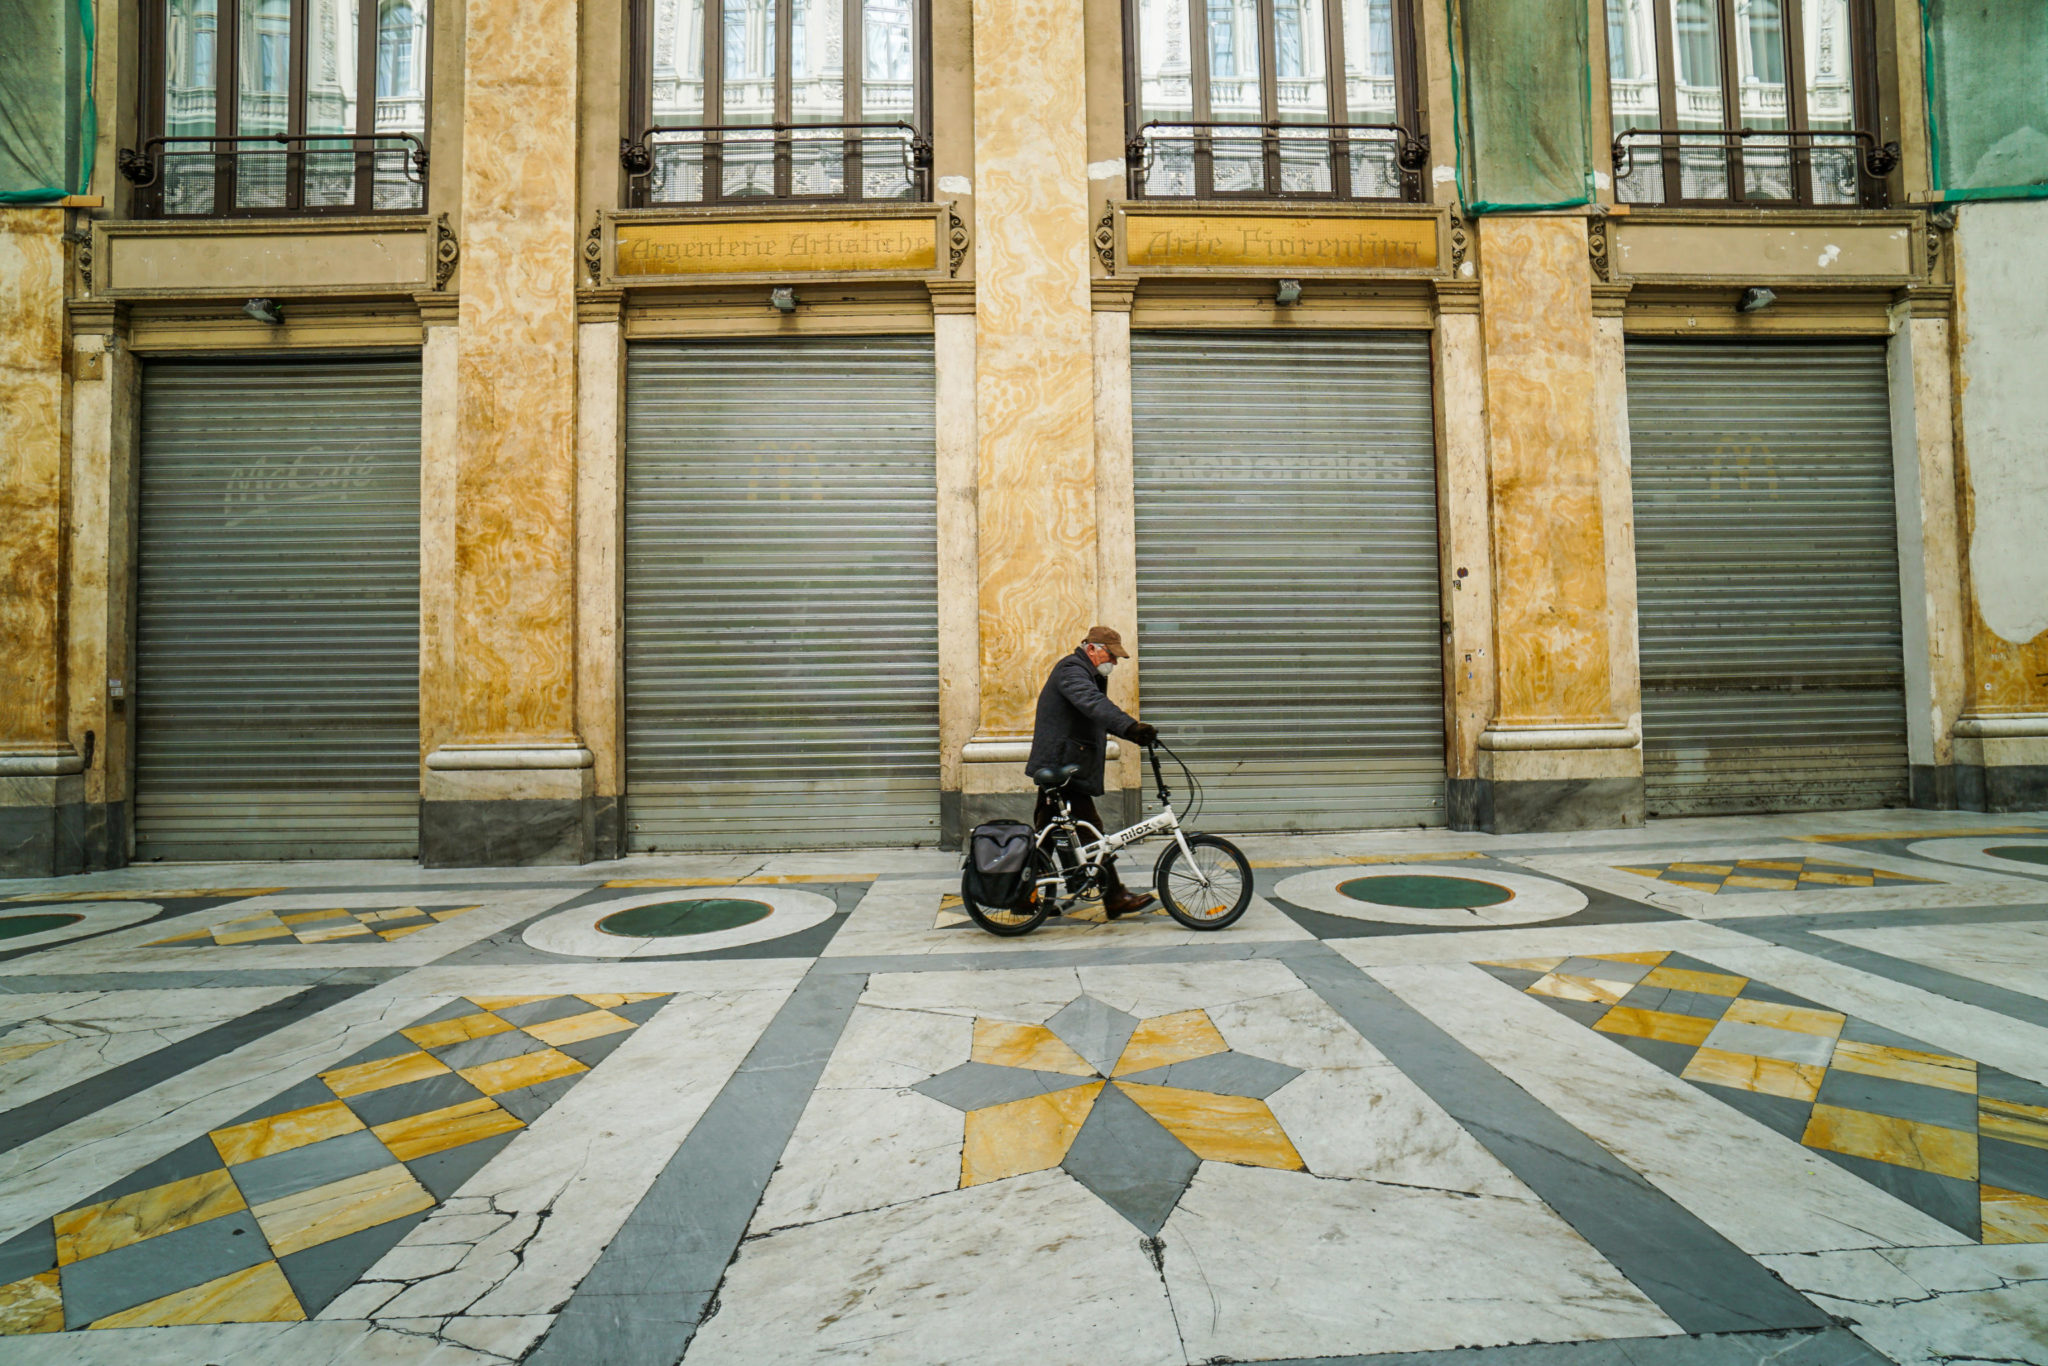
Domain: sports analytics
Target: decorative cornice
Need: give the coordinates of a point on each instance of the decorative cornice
(1112, 296)
(951, 296)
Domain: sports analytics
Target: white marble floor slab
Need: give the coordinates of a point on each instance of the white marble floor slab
(80, 1034)
(1934, 1306)
(971, 1278)
(1689, 936)
(251, 1344)
(1265, 1264)
(1707, 1156)
(2013, 955)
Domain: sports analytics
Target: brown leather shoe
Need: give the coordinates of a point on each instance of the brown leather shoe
(1128, 904)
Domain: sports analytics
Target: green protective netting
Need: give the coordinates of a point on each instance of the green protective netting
(1987, 97)
(47, 122)
(1523, 84)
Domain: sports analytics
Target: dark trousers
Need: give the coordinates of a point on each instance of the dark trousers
(1083, 807)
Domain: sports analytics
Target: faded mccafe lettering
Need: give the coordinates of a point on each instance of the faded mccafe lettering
(1226, 243)
(653, 251)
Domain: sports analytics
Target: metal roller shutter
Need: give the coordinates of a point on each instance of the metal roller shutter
(278, 616)
(1289, 622)
(781, 594)
(1768, 578)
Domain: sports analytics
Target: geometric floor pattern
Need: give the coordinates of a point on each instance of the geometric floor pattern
(1965, 1143)
(1087, 911)
(316, 927)
(268, 1218)
(1772, 875)
(1129, 1108)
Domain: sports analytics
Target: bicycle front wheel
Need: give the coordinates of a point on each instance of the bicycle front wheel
(1210, 893)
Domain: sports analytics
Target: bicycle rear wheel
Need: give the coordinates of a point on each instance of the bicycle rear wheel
(1210, 894)
(1009, 922)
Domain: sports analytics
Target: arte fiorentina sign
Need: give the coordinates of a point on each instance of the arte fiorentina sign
(1183, 242)
(815, 246)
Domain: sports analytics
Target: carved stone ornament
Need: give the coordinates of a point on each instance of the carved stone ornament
(85, 265)
(1596, 246)
(1105, 237)
(1461, 243)
(593, 250)
(956, 242)
(446, 252)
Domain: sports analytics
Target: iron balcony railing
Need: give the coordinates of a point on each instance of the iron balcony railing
(145, 168)
(1275, 146)
(1878, 159)
(711, 162)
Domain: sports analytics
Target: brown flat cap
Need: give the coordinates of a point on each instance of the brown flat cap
(1109, 640)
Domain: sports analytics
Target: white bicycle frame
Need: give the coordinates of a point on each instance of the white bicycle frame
(1092, 855)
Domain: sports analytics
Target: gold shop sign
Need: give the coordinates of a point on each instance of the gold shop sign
(818, 246)
(1275, 243)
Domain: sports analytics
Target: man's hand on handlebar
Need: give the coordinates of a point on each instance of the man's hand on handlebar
(1145, 735)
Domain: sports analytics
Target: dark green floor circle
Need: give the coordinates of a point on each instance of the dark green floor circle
(668, 919)
(2023, 853)
(15, 926)
(1425, 892)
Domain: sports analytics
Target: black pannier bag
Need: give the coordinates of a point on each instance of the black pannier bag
(997, 873)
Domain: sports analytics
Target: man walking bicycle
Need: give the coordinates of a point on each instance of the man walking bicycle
(1075, 717)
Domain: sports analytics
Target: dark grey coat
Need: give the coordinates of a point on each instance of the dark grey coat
(1074, 717)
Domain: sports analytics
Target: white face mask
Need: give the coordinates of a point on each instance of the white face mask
(1105, 666)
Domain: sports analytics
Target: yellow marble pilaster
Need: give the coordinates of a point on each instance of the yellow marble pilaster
(1550, 553)
(515, 482)
(1034, 373)
(32, 488)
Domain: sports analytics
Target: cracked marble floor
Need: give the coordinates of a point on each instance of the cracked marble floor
(1716, 1091)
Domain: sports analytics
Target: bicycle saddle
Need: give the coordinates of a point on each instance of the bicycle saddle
(1055, 777)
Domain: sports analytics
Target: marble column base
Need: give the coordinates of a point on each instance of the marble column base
(48, 829)
(512, 817)
(1518, 791)
(2001, 763)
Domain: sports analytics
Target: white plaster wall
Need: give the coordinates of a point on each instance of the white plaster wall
(2002, 256)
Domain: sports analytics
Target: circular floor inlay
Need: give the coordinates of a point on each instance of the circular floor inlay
(1992, 855)
(1422, 894)
(1433, 893)
(14, 926)
(667, 923)
(668, 919)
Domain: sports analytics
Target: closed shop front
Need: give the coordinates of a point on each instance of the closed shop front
(1288, 607)
(781, 594)
(1768, 578)
(278, 620)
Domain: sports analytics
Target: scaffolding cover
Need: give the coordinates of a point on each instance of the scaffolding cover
(46, 112)
(1524, 89)
(1987, 97)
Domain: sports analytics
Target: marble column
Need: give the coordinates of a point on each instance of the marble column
(1116, 516)
(959, 578)
(509, 781)
(600, 566)
(99, 579)
(2001, 406)
(1560, 752)
(1034, 375)
(41, 790)
(1465, 550)
(1930, 566)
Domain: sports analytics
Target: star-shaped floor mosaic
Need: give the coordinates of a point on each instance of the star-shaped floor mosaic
(316, 927)
(1127, 1107)
(1771, 875)
(268, 1218)
(1964, 1142)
